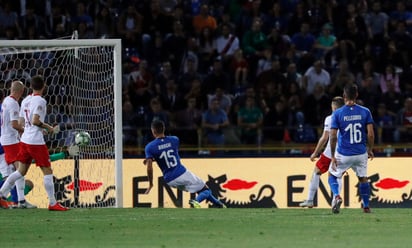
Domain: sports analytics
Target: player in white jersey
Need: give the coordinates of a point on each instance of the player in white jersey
(322, 164)
(11, 129)
(32, 145)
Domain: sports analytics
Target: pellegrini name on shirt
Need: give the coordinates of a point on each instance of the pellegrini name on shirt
(352, 117)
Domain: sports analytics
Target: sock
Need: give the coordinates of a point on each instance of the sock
(49, 186)
(364, 191)
(20, 189)
(334, 185)
(207, 194)
(202, 195)
(9, 183)
(313, 186)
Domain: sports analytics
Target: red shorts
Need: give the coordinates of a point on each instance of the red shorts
(323, 163)
(10, 152)
(38, 153)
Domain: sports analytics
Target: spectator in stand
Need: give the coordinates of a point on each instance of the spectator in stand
(273, 75)
(269, 94)
(325, 45)
(254, 43)
(9, 20)
(265, 62)
(302, 46)
(250, 120)
(140, 85)
(275, 121)
(392, 99)
(225, 101)
(216, 78)
(32, 25)
(316, 106)
(351, 44)
(226, 43)
(203, 20)
(214, 121)
(368, 71)
(155, 112)
(292, 75)
(164, 75)
(206, 49)
(129, 27)
(274, 19)
(369, 93)
(81, 16)
(389, 77)
(377, 25)
(315, 75)
(298, 16)
(188, 121)
(340, 77)
(175, 45)
(154, 22)
(240, 68)
(195, 91)
(172, 100)
(131, 121)
(402, 40)
(400, 14)
(385, 123)
(190, 54)
(104, 24)
(57, 24)
(404, 122)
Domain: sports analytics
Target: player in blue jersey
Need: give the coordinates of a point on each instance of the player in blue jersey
(356, 140)
(165, 151)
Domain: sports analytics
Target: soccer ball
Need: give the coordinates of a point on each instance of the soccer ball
(82, 138)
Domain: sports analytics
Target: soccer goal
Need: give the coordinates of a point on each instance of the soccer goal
(84, 93)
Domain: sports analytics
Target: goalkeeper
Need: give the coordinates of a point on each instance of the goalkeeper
(13, 199)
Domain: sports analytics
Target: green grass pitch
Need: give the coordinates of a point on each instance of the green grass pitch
(140, 227)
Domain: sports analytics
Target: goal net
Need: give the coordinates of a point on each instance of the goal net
(83, 92)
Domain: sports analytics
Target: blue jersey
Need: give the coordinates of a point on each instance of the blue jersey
(351, 122)
(165, 152)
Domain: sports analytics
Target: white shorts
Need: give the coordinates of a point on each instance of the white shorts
(358, 163)
(5, 169)
(188, 182)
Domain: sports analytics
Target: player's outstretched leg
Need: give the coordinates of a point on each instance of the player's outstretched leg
(206, 194)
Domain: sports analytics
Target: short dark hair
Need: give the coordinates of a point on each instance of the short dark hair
(338, 101)
(37, 82)
(350, 91)
(158, 126)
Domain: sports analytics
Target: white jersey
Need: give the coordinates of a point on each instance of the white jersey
(31, 105)
(326, 128)
(10, 111)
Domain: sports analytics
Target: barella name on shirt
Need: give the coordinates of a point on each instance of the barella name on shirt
(164, 146)
(352, 117)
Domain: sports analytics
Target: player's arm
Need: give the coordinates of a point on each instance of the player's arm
(149, 164)
(18, 125)
(371, 140)
(320, 145)
(37, 122)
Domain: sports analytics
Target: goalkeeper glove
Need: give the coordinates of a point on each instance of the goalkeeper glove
(73, 150)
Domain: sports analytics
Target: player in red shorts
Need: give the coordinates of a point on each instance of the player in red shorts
(322, 164)
(32, 144)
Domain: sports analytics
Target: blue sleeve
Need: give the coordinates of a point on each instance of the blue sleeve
(334, 123)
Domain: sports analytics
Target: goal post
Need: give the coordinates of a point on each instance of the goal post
(84, 93)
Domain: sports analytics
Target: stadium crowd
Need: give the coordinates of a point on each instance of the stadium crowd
(241, 71)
